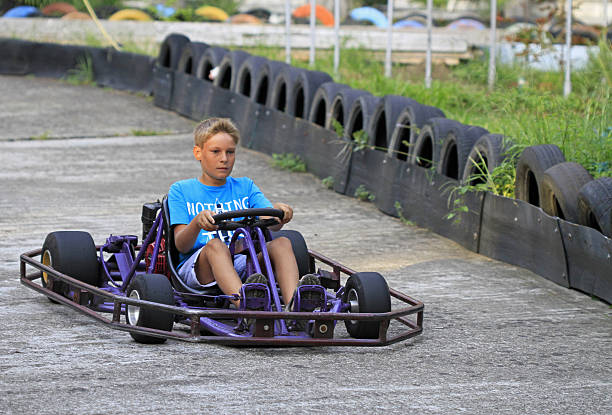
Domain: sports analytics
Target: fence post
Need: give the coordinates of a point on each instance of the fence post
(428, 53)
(493, 45)
(313, 22)
(288, 31)
(389, 38)
(567, 85)
(337, 36)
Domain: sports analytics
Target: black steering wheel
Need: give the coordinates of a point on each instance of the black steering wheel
(251, 218)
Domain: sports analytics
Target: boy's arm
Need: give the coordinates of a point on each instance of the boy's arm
(287, 215)
(185, 235)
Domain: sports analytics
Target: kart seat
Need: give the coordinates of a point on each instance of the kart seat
(172, 259)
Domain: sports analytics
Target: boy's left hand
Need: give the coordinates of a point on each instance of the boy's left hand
(287, 212)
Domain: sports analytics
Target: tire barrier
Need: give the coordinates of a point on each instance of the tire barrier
(595, 205)
(211, 59)
(214, 14)
(228, 69)
(247, 74)
(264, 81)
(509, 230)
(58, 9)
(384, 119)
(320, 110)
(76, 16)
(560, 185)
(322, 14)
(283, 87)
(341, 106)
(303, 92)
(455, 149)
(369, 15)
(163, 73)
(130, 14)
(407, 126)
(426, 150)
(488, 152)
(531, 165)
(185, 94)
(22, 11)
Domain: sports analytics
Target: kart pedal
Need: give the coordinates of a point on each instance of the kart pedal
(310, 297)
(255, 296)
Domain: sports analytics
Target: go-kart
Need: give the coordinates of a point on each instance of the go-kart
(139, 286)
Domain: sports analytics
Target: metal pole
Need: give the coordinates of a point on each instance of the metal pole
(389, 38)
(313, 21)
(336, 35)
(567, 85)
(288, 31)
(493, 45)
(428, 53)
(605, 13)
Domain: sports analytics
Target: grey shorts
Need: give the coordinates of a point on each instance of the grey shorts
(187, 272)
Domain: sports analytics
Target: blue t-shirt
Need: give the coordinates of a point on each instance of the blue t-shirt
(187, 198)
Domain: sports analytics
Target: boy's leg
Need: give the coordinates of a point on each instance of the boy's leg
(215, 264)
(285, 266)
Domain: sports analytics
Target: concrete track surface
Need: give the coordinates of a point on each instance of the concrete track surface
(497, 338)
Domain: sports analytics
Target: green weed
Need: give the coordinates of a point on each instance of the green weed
(328, 182)
(43, 136)
(364, 194)
(288, 161)
(138, 133)
(83, 73)
(400, 214)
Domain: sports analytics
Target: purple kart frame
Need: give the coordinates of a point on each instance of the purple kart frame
(206, 316)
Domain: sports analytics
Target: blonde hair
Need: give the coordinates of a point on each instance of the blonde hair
(212, 126)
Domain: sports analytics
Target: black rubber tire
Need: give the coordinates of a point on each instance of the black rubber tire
(264, 82)
(304, 89)
(282, 88)
(372, 294)
(340, 106)
(228, 69)
(531, 165)
(456, 148)
(300, 250)
(407, 126)
(320, 109)
(190, 56)
(72, 253)
(426, 149)
(559, 188)
(248, 73)
(155, 288)
(488, 152)
(360, 114)
(210, 59)
(170, 50)
(595, 205)
(383, 119)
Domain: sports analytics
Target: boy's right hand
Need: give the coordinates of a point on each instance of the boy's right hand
(205, 220)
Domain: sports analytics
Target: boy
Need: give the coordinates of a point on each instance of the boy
(204, 256)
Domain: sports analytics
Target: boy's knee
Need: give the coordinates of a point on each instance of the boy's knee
(215, 245)
(281, 244)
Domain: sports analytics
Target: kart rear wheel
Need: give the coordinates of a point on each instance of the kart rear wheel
(155, 288)
(72, 253)
(300, 250)
(366, 292)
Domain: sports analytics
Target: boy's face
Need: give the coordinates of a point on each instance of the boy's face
(216, 156)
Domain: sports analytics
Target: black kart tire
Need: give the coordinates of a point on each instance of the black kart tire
(560, 186)
(367, 292)
(488, 152)
(170, 50)
(532, 163)
(155, 288)
(456, 148)
(595, 205)
(300, 250)
(72, 253)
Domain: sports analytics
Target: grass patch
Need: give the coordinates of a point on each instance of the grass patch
(288, 161)
(138, 133)
(363, 194)
(43, 136)
(83, 73)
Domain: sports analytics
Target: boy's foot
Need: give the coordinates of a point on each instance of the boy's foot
(253, 298)
(256, 278)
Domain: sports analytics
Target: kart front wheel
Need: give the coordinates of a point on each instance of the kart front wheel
(72, 253)
(366, 292)
(155, 288)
